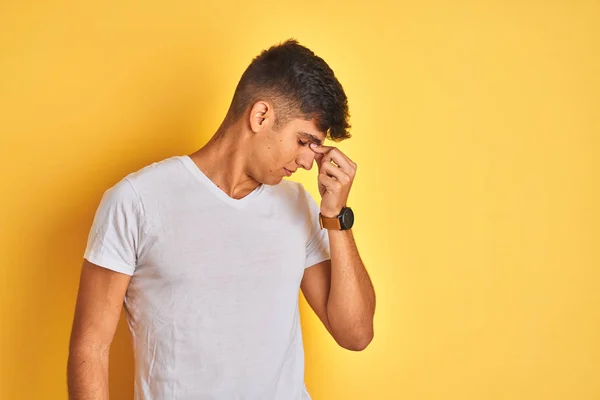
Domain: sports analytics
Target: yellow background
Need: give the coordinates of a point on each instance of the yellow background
(476, 130)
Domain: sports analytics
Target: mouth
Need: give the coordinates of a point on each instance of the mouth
(288, 172)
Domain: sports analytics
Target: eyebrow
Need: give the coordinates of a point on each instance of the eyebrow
(310, 137)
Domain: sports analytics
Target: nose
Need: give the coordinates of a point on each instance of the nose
(306, 159)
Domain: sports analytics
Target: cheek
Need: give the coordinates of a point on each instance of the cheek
(270, 159)
(278, 153)
(281, 154)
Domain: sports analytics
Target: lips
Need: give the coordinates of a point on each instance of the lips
(288, 172)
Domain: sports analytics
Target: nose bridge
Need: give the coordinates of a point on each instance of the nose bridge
(306, 159)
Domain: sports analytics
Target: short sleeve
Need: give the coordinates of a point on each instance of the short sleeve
(317, 246)
(114, 236)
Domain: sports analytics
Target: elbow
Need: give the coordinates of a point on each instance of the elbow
(361, 344)
(357, 342)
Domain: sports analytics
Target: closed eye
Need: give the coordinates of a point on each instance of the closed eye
(301, 143)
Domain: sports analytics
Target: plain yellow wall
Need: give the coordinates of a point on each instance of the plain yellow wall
(476, 131)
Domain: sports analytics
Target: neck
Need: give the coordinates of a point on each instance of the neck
(224, 159)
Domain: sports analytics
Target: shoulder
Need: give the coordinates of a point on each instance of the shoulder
(295, 197)
(154, 173)
(288, 188)
(132, 188)
(121, 192)
(291, 191)
(162, 178)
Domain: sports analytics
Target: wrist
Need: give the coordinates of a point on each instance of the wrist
(343, 220)
(331, 213)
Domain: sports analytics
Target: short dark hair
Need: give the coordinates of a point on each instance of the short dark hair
(299, 83)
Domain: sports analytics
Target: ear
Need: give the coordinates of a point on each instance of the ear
(261, 116)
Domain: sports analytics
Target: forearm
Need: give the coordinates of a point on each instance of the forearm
(87, 373)
(351, 301)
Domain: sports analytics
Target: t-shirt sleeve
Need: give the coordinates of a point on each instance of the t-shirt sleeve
(317, 246)
(114, 236)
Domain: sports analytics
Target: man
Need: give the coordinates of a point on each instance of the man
(209, 251)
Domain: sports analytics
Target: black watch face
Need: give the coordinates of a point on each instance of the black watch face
(347, 219)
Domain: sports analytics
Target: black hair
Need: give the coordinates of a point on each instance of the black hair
(299, 84)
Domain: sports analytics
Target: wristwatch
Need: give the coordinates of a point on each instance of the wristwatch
(342, 222)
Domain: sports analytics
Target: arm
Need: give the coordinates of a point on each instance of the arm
(340, 290)
(97, 312)
(341, 293)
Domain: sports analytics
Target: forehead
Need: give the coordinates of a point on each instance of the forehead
(305, 128)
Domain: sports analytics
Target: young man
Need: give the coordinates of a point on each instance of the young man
(208, 251)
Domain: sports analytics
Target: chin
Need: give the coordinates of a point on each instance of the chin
(272, 180)
(275, 181)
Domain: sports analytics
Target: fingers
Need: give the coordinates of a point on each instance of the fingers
(341, 161)
(326, 154)
(330, 170)
(320, 148)
(331, 184)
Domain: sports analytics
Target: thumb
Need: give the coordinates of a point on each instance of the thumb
(319, 160)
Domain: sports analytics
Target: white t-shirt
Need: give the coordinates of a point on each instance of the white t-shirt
(213, 300)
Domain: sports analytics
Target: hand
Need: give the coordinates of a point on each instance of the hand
(335, 180)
